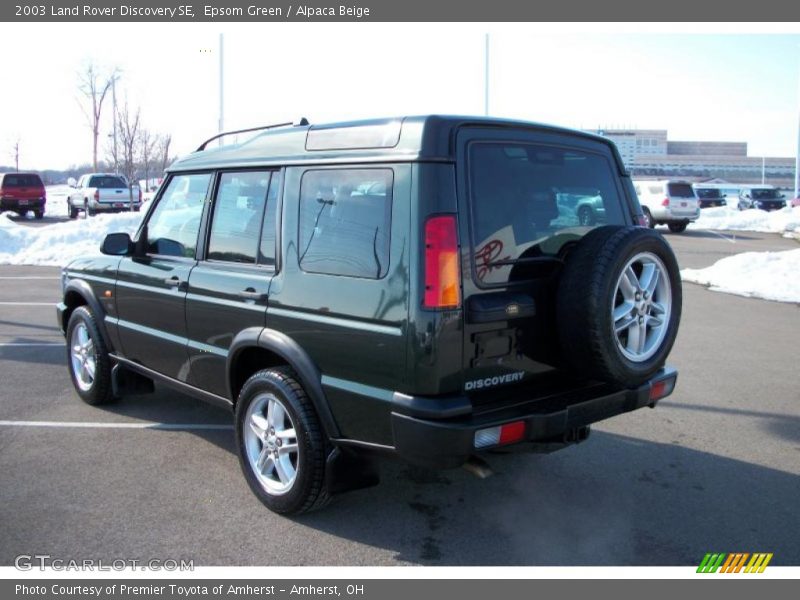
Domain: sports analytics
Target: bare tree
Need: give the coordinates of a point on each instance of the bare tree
(94, 87)
(147, 149)
(128, 123)
(164, 158)
(15, 153)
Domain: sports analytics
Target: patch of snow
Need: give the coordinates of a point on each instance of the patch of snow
(768, 275)
(728, 218)
(58, 244)
(56, 205)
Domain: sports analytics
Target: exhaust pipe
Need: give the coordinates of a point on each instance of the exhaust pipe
(478, 467)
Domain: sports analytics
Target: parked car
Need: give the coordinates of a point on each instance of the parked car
(396, 287)
(763, 197)
(708, 197)
(585, 204)
(668, 202)
(21, 192)
(102, 192)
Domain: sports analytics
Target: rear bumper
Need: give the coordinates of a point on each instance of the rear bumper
(449, 442)
(114, 206)
(17, 204)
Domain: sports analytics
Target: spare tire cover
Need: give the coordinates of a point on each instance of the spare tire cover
(618, 304)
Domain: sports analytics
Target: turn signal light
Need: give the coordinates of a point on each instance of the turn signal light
(442, 280)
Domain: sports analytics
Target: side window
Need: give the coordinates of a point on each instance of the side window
(345, 222)
(268, 249)
(175, 221)
(238, 212)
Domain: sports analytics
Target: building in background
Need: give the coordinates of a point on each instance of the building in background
(649, 153)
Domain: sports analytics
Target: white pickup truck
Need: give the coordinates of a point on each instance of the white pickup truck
(102, 192)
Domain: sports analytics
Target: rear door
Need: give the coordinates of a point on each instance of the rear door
(228, 290)
(151, 289)
(521, 197)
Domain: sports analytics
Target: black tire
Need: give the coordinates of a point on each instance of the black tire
(589, 289)
(39, 214)
(648, 218)
(308, 491)
(73, 212)
(22, 213)
(586, 216)
(678, 227)
(100, 390)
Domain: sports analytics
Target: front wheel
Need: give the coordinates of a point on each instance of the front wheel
(648, 218)
(280, 443)
(88, 358)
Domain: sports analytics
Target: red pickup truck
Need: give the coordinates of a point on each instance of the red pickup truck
(22, 192)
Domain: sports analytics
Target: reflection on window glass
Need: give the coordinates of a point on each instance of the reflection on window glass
(175, 221)
(528, 200)
(345, 222)
(238, 211)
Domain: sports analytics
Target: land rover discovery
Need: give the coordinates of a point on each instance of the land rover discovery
(427, 288)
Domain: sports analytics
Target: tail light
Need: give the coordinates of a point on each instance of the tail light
(642, 221)
(665, 202)
(97, 195)
(442, 280)
(499, 436)
(140, 194)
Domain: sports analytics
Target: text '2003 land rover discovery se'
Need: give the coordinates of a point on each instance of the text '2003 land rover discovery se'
(419, 287)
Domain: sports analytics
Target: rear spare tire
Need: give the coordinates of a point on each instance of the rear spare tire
(619, 304)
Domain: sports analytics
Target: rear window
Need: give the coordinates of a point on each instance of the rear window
(680, 190)
(708, 193)
(765, 194)
(106, 182)
(20, 180)
(529, 200)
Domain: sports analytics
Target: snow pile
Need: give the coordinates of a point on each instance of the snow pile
(768, 275)
(728, 218)
(60, 243)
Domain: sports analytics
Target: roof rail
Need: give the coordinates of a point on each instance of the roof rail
(303, 122)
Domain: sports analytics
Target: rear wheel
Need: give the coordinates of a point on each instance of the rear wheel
(586, 216)
(678, 227)
(88, 358)
(281, 445)
(619, 304)
(39, 214)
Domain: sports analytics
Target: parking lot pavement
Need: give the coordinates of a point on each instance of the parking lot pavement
(715, 467)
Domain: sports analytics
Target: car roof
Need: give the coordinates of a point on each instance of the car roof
(428, 137)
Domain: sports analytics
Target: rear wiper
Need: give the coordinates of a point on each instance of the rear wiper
(531, 259)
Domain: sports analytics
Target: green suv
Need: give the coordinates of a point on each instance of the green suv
(405, 287)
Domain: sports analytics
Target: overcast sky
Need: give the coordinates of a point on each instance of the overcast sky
(699, 86)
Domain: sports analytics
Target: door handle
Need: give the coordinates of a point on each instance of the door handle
(251, 294)
(175, 281)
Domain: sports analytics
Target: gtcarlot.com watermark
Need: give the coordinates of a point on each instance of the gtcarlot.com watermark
(30, 562)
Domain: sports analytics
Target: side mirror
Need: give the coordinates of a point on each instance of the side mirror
(117, 244)
(71, 182)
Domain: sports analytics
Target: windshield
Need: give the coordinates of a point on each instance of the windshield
(680, 190)
(107, 182)
(528, 200)
(708, 193)
(21, 181)
(765, 194)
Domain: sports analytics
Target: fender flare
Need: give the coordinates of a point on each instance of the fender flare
(292, 354)
(85, 291)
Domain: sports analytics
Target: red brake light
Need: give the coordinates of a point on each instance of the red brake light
(97, 195)
(665, 202)
(442, 280)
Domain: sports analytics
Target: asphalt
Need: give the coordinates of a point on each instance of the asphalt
(715, 467)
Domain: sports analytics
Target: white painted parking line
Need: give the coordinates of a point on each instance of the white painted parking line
(27, 303)
(94, 425)
(31, 344)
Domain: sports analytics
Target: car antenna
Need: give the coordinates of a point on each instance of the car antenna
(303, 122)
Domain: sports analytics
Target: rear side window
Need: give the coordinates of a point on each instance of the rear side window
(680, 190)
(528, 200)
(106, 182)
(708, 193)
(765, 194)
(238, 215)
(345, 222)
(22, 181)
